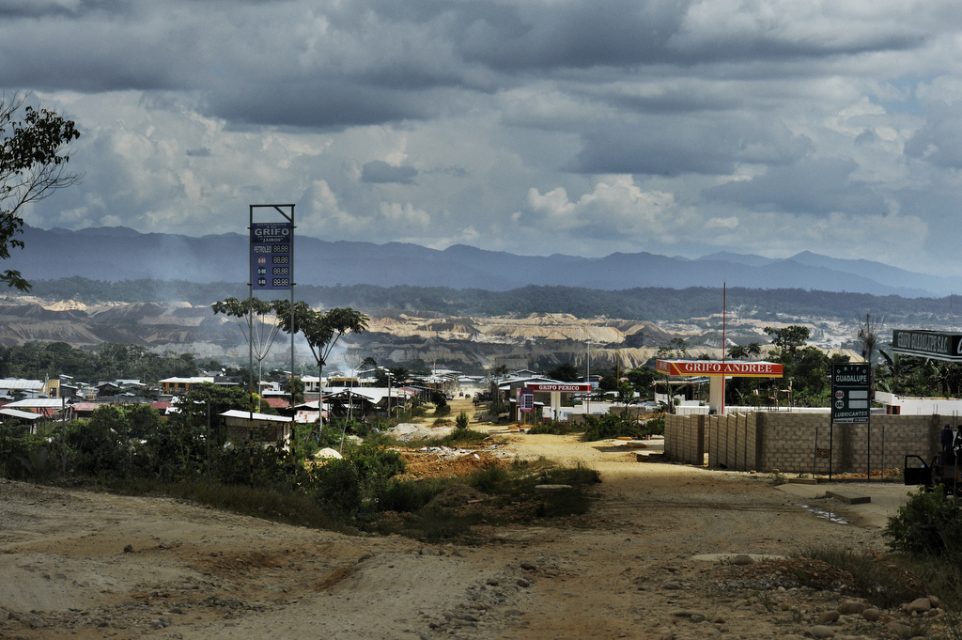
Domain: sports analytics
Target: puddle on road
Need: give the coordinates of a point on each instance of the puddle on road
(825, 514)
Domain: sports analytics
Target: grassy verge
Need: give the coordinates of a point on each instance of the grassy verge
(451, 508)
(429, 509)
(270, 504)
(464, 438)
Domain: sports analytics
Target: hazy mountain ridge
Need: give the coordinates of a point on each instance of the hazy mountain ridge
(115, 254)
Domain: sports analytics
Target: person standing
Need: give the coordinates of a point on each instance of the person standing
(957, 443)
(949, 442)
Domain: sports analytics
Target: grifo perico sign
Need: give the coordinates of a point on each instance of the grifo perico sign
(720, 368)
(574, 387)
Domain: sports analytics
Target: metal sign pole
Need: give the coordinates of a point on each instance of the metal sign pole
(250, 314)
(272, 267)
(868, 429)
(831, 447)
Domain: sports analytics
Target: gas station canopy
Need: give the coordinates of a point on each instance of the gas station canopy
(716, 371)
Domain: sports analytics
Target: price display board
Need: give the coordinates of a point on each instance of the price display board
(271, 251)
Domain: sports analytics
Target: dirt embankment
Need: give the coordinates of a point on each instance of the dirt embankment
(666, 552)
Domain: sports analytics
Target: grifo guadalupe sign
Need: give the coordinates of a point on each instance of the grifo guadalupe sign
(850, 393)
(929, 344)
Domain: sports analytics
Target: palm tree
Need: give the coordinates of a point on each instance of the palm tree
(321, 330)
(259, 334)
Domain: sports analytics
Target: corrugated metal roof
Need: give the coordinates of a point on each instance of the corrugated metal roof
(24, 415)
(247, 415)
(20, 383)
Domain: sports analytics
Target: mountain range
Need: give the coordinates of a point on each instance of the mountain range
(118, 253)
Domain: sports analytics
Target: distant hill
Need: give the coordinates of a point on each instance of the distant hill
(115, 254)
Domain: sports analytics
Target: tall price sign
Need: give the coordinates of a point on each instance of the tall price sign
(271, 252)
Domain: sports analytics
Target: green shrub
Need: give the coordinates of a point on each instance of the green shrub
(373, 462)
(610, 426)
(930, 523)
(409, 495)
(655, 426)
(254, 465)
(461, 422)
(337, 486)
(881, 583)
(441, 407)
(556, 428)
(30, 457)
(491, 479)
(578, 475)
(463, 438)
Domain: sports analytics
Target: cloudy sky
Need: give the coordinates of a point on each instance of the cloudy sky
(583, 127)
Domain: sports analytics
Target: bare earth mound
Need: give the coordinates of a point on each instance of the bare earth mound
(666, 552)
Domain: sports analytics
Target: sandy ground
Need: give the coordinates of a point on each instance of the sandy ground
(667, 552)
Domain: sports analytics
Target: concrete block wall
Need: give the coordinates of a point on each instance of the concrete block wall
(800, 443)
(732, 441)
(794, 442)
(685, 438)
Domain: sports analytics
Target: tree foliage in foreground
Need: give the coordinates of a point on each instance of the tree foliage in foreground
(32, 167)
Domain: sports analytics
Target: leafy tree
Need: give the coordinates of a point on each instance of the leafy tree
(642, 379)
(259, 327)
(741, 389)
(806, 367)
(788, 339)
(32, 167)
(295, 382)
(744, 351)
(676, 348)
(626, 393)
(565, 372)
(321, 329)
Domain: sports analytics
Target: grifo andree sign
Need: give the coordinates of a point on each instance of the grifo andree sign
(932, 344)
(720, 368)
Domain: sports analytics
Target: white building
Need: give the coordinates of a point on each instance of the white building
(915, 406)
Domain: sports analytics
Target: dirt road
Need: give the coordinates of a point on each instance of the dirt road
(666, 552)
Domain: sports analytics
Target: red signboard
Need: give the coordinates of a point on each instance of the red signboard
(732, 368)
(564, 387)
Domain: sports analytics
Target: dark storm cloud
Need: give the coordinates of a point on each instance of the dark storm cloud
(13, 9)
(508, 109)
(811, 186)
(379, 172)
(627, 33)
(575, 35)
(377, 61)
(674, 146)
(333, 106)
(96, 50)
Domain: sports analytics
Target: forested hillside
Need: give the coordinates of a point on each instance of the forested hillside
(643, 304)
